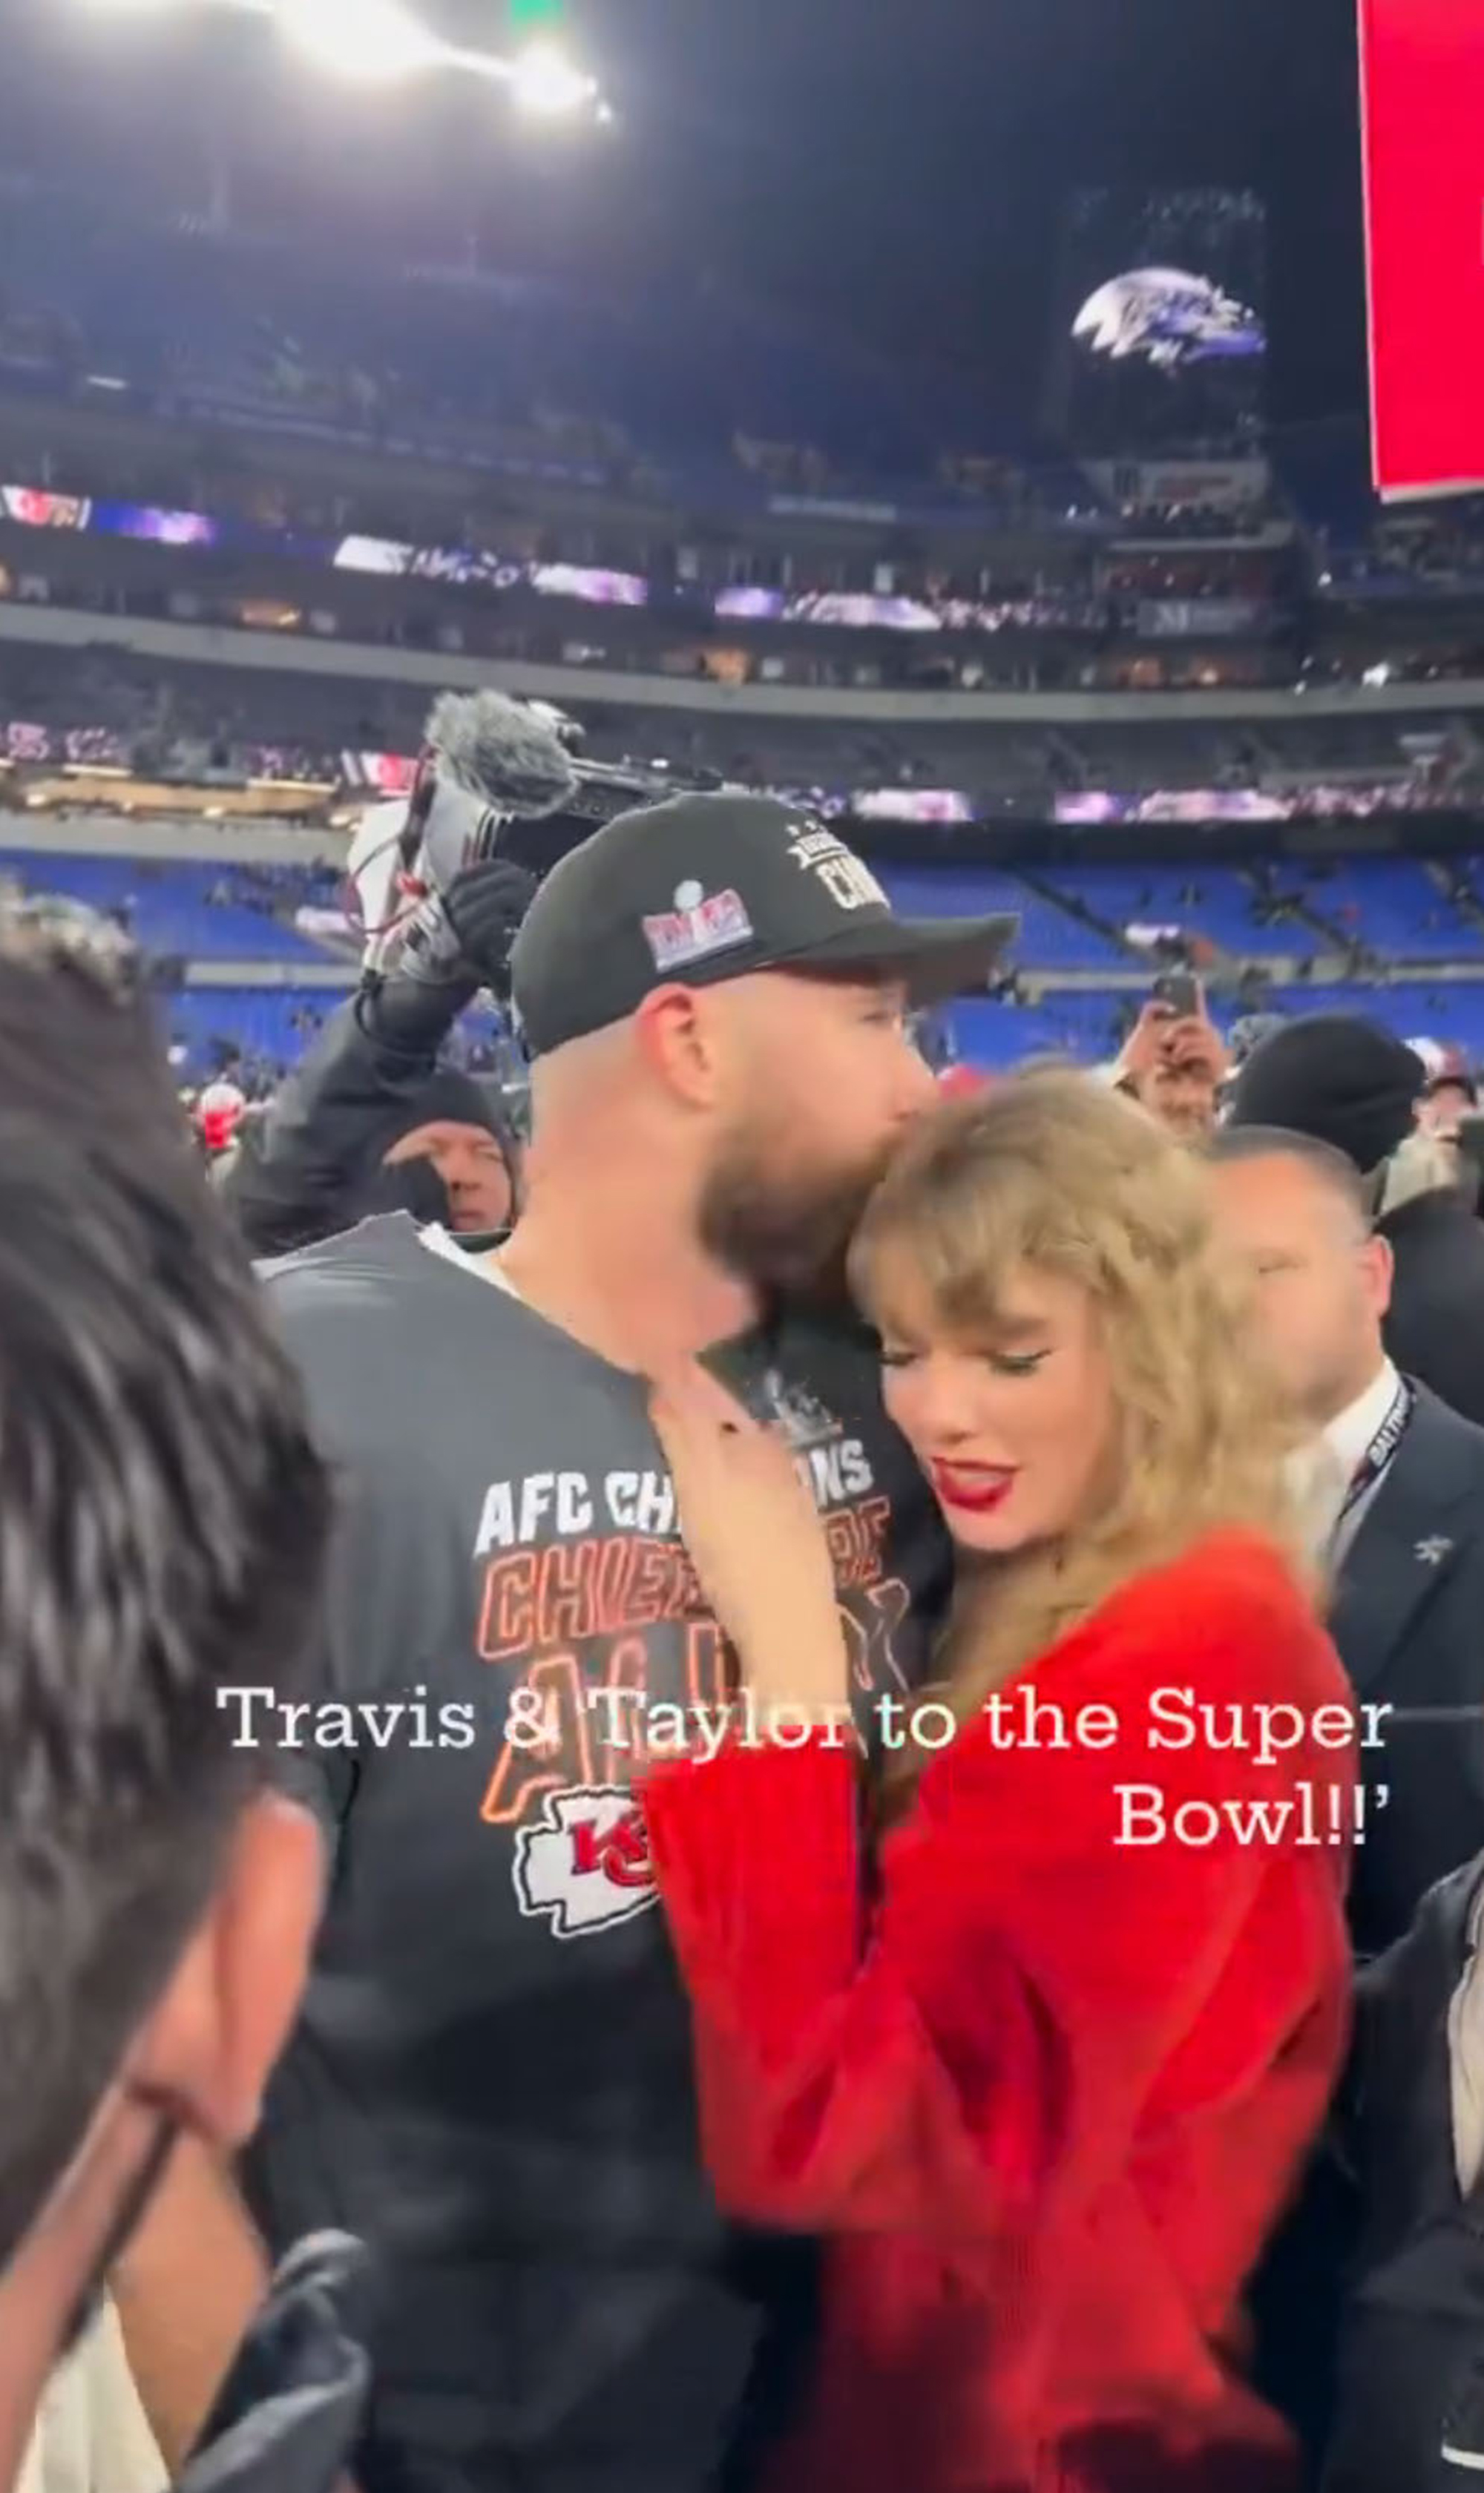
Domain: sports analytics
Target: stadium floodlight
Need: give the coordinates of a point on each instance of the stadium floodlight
(547, 85)
(373, 42)
(376, 42)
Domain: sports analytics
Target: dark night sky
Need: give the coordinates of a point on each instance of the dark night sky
(889, 169)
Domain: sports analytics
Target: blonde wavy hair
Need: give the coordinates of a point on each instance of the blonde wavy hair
(1049, 1171)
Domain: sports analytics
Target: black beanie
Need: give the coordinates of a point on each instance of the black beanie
(447, 1097)
(1338, 1078)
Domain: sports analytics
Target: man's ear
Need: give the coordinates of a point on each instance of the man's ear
(224, 2019)
(1381, 1271)
(676, 1035)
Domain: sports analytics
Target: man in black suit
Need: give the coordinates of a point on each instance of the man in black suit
(1396, 1482)
(1350, 1083)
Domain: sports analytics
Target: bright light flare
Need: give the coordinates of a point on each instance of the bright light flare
(549, 87)
(377, 42)
(373, 42)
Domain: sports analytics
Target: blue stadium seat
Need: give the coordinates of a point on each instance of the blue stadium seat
(1214, 901)
(1393, 906)
(269, 1026)
(1049, 937)
(193, 910)
(1452, 1013)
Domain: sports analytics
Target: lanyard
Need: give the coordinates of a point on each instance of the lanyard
(1379, 1455)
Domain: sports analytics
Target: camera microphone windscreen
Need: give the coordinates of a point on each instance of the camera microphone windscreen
(502, 753)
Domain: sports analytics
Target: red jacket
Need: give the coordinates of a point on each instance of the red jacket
(1047, 2097)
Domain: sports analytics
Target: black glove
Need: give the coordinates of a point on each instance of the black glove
(290, 2410)
(462, 938)
(412, 1186)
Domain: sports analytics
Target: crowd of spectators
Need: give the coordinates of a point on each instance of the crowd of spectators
(466, 364)
(199, 725)
(1418, 551)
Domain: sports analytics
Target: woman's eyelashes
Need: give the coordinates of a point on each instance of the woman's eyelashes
(1001, 1362)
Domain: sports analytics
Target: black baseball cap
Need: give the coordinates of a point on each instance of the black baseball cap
(704, 889)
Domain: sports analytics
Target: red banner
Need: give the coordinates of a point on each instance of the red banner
(1422, 107)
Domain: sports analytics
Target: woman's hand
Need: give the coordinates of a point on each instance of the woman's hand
(757, 1544)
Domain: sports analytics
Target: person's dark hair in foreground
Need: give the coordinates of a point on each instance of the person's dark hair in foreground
(162, 1521)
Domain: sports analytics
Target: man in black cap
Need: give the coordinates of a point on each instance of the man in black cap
(1348, 1081)
(493, 2075)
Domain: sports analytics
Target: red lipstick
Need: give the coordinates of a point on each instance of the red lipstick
(972, 1490)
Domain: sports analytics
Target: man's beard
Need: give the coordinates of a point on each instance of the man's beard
(787, 1228)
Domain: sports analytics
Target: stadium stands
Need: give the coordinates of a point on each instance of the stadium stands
(190, 912)
(999, 1035)
(1216, 902)
(492, 369)
(706, 412)
(1087, 1025)
(1051, 935)
(162, 711)
(1452, 1014)
(266, 1028)
(1390, 905)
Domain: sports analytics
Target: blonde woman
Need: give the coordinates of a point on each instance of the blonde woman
(1044, 2080)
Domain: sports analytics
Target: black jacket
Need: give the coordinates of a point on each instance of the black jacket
(1409, 1622)
(1436, 1328)
(287, 2417)
(1409, 2413)
(311, 1168)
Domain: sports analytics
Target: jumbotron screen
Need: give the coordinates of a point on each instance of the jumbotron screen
(1161, 320)
(1422, 92)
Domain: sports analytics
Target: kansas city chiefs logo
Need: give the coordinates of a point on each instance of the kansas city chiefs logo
(584, 1865)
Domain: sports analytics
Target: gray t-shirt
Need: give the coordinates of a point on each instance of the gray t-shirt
(492, 2078)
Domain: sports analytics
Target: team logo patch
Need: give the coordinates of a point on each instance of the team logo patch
(699, 925)
(586, 1865)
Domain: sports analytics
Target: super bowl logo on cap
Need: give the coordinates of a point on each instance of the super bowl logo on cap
(696, 927)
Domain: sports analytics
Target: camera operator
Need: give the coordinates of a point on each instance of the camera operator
(370, 1122)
